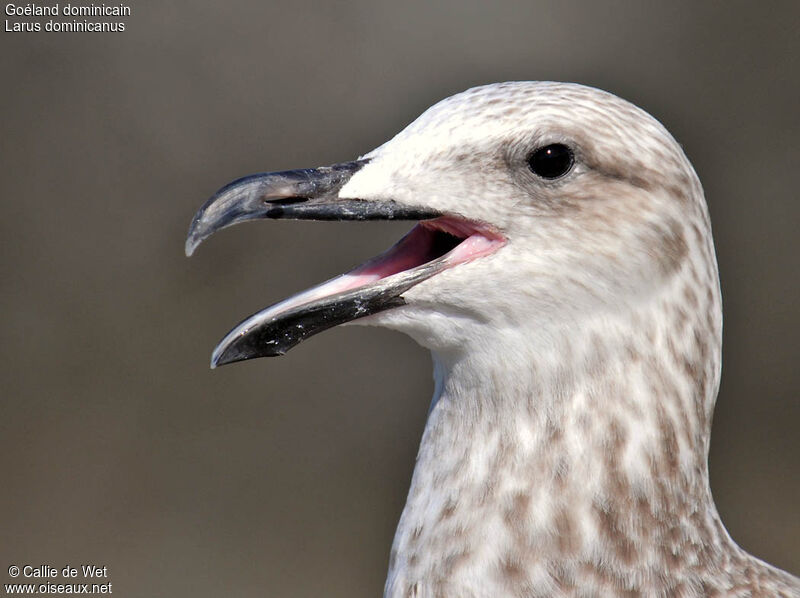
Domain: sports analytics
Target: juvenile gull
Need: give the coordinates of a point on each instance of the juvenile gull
(563, 276)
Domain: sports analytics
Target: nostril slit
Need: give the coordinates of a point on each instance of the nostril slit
(283, 200)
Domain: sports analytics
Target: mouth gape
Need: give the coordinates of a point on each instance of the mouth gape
(447, 241)
(437, 243)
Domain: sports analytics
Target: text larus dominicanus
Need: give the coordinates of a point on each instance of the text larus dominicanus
(563, 276)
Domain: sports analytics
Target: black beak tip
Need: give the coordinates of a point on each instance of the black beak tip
(191, 245)
(243, 349)
(196, 234)
(224, 356)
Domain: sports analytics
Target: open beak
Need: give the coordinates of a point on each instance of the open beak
(438, 242)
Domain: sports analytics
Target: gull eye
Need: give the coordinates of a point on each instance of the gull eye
(551, 161)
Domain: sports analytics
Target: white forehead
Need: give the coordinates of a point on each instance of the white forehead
(520, 109)
(462, 146)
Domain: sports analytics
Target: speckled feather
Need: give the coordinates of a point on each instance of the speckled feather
(576, 369)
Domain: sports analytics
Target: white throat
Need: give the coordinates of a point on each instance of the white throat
(591, 459)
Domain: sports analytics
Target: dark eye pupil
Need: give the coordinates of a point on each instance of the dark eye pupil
(551, 161)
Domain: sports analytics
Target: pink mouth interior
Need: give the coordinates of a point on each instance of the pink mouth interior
(428, 241)
(459, 241)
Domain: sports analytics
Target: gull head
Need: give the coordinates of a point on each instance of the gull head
(539, 205)
(562, 272)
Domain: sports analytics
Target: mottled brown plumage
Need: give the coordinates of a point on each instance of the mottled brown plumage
(577, 368)
(575, 323)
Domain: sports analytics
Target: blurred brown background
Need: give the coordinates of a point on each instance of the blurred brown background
(286, 477)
